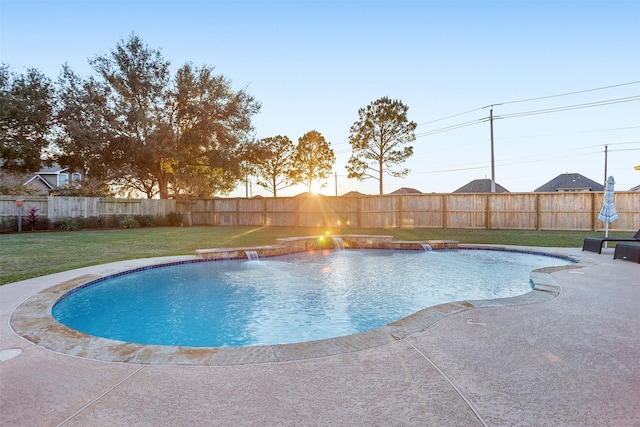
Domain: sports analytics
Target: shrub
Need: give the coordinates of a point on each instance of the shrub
(91, 222)
(174, 219)
(9, 224)
(112, 221)
(161, 221)
(33, 218)
(44, 224)
(129, 222)
(67, 224)
(147, 220)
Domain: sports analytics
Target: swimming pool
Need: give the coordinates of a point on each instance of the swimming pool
(296, 298)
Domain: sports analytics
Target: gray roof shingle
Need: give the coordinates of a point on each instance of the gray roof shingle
(480, 186)
(569, 182)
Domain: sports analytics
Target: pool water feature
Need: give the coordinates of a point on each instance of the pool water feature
(339, 243)
(295, 298)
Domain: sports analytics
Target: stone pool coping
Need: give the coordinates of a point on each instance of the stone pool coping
(288, 245)
(33, 321)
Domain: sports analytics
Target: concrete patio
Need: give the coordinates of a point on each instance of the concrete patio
(570, 360)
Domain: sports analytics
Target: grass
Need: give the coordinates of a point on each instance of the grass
(27, 255)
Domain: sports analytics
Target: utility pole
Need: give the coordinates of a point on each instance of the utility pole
(493, 164)
(606, 149)
(246, 185)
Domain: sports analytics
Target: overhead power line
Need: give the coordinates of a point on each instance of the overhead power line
(570, 107)
(453, 127)
(568, 93)
(450, 117)
(448, 128)
(530, 113)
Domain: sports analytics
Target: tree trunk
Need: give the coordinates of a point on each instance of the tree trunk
(163, 187)
(380, 177)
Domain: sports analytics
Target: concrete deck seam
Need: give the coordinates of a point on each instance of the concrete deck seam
(94, 400)
(457, 390)
(135, 355)
(274, 353)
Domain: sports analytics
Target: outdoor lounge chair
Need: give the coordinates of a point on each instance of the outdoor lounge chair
(594, 244)
(627, 251)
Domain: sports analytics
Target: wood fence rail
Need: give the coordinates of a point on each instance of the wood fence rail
(524, 211)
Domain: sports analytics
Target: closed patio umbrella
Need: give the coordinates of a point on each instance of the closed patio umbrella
(608, 213)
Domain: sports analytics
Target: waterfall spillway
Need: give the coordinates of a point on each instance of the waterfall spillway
(251, 255)
(339, 243)
(427, 247)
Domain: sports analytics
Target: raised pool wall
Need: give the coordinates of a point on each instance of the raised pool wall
(289, 245)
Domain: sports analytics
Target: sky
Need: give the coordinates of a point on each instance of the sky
(561, 78)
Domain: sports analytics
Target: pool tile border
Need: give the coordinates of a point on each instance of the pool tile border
(33, 321)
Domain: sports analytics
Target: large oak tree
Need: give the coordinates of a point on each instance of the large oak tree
(26, 118)
(139, 127)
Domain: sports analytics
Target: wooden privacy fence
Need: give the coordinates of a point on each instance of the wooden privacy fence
(524, 211)
(55, 208)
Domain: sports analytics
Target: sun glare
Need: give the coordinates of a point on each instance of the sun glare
(316, 187)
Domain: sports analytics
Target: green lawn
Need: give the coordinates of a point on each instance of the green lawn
(27, 255)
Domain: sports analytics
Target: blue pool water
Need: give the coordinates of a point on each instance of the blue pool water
(296, 298)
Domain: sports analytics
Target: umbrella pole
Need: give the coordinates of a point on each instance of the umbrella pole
(606, 233)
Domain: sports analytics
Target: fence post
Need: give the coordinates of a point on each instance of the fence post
(538, 211)
(215, 217)
(51, 215)
(488, 212)
(444, 211)
(594, 211)
(235, 221)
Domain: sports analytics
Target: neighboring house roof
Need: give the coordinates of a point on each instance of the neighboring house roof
(307, 194)
(570, 182)
(406, 190)
(40, 179)
(52, 170)
(480, 186)
(352, 194)
(636, 188)
(48, 178)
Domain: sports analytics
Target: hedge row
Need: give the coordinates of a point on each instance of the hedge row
(33, 222)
